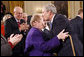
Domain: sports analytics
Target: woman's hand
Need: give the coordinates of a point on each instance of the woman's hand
(14, 39)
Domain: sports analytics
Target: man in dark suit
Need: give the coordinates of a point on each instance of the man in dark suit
(77, 25)
(57, 23)
(12, 26)
(77, 29)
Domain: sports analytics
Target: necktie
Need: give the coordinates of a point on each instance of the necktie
(18, 24)
(50, 25)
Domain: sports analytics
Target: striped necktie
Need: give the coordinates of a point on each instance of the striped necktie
(50, 24)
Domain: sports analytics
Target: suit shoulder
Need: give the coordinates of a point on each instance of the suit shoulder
(60, 16)
(10, 19)
(74, 19)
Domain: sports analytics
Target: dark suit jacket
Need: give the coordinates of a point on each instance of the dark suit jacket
(60, 23)
(77, 32)
(11, 27)
(40, 47)
(77, 27)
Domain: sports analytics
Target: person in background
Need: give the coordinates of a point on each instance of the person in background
(27, 26)
(24, 16)
(35, 45)
(3, 10)
(28, 20)
(77, 29)
(13, 26)
(7, 16)
(8, 45)
(77, 25)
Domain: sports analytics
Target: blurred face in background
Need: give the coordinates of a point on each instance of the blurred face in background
(24, 16)
(18, 13)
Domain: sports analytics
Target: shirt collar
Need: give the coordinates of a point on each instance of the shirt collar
(52, 18)
(17, 20)
(79, 16)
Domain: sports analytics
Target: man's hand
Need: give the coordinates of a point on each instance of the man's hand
(62, 35)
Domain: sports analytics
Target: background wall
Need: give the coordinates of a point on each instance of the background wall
(31, 7)
(73, 7)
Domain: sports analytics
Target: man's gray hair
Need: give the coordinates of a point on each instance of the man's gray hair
(17, 7)
(51, 7)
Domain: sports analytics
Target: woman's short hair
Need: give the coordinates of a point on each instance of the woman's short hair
(34, 18)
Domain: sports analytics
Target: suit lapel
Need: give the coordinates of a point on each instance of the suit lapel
(15, 22)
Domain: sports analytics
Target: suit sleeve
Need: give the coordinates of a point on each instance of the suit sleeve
(8, 29)
(40, 44)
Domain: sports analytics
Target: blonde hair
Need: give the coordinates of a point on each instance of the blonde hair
(34, 18)
(7, 16)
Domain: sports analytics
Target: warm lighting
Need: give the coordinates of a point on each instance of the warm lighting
(38, 10)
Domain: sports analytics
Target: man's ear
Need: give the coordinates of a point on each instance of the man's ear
(49, 12)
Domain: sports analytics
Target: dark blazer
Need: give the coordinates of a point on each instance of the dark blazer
(40, 47)
(77, 27)
(11, 27)
(59, 23)
(5, 47)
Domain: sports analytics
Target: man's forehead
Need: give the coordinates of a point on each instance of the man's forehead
(18, 9)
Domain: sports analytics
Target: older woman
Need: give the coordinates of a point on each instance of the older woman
(35, 45)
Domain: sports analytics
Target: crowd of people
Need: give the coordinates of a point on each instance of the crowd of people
(45, 34)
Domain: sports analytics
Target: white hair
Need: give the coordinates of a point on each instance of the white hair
(17, 7)
(51, 7)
